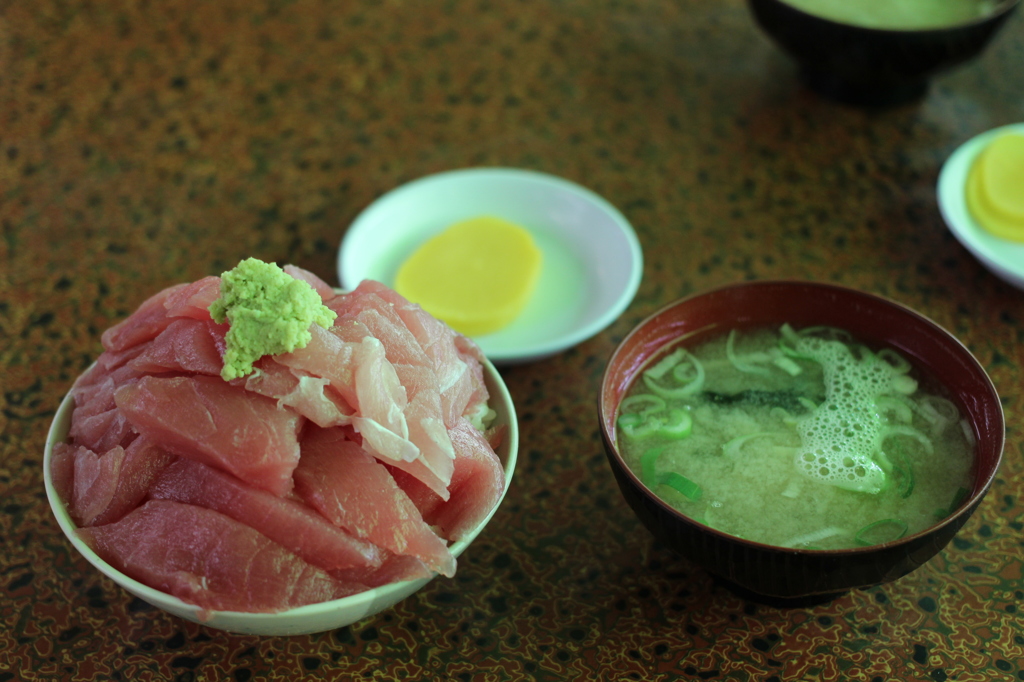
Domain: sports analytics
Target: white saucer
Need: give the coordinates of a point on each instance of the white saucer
(1005, 258)
(592, 262)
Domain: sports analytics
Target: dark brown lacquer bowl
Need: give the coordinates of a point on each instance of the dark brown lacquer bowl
(776, 574)
(871, 66)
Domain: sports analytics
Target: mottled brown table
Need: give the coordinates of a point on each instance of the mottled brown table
(148, 143)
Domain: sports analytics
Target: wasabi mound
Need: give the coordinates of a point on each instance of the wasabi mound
(269, 313)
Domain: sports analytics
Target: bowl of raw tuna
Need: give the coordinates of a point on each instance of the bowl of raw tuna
(279, 490)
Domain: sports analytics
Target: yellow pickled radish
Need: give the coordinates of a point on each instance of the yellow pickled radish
(995, 187)
(477, 275)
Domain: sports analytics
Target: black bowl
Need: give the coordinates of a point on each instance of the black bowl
(872, 66)
(784, 575)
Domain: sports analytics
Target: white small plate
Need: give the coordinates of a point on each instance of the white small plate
(592, 262)
(1005, 258)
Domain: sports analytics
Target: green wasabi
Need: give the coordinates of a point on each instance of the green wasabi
(269, 312)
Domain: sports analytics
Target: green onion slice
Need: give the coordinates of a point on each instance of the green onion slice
(683, 485)
(652, 402)
(648, 462)
(885, 530)
(958, 497)
(678, 424)
(738, 362)
(692, 379)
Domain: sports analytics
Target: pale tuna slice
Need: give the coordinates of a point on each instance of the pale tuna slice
(380, 403)
(355, 492)
(377, 317)
(455, 359)
(105, 487)
(435, 337)
(216, 423)
(358, 370)
(210, 560)
(476, 486)
(329, 357)
(148, 320)
(321, 287)
(304, 393)
(287, 522)
(187, 345)
(427, 429)
(194, 299)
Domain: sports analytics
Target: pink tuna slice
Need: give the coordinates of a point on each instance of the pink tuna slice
(96, 422)
(216, 423)
(304, 393)
(101, 432)
(355, 492)
(210, 560)
(62, 471)
(148, 320)
(106, 487)
(476, 486)
(395, 568)
(194, 299)
(187, 345)
(321, 287)
(287, 522)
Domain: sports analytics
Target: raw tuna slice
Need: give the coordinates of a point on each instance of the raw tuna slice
(380, 320)
(395, 568)
(194, 300)
(216, 423)
(380, 403)
(142, 325)
(476, 486)
(321, 287)
(355, 492)
(287, 522)
(103, 431)
(456, 359)
(106, 487)
(187, 345)
(427, 430)
(435, 338)
(329, 357)
(208, 559)
(62, 471)
(304, 393)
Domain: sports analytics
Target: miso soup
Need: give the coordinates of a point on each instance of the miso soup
(796, 438)
(899, 14)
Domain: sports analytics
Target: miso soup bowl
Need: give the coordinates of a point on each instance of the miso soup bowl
(307, 619)
(874, 66)
(787, 575)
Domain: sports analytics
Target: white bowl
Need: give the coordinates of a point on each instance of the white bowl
(592, 262)
(305, 619)
(1005, 258)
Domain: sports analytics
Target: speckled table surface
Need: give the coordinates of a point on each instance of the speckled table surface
(148, 143)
